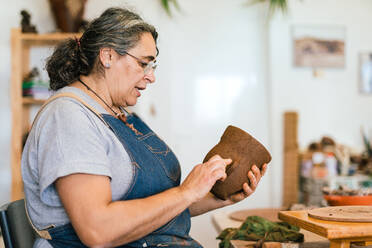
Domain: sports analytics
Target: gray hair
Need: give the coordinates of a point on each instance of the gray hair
(117, 28)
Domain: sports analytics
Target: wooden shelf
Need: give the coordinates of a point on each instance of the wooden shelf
(46, 39)
(30, 100)
(21, 44)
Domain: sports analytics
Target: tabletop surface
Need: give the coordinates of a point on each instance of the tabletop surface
(326, 228)
(222, 220)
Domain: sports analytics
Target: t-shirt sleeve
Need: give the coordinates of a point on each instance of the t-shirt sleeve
(69, 141)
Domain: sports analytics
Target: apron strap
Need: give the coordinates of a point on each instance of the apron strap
(70, 95)
(44, 232)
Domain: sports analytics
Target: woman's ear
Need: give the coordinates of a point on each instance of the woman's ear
(105, 57)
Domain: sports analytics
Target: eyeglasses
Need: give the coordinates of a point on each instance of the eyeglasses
(147, 67)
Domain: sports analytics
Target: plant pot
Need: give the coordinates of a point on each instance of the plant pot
(245, 151)
(68, 14)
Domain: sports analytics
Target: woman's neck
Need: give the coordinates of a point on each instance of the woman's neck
(97, 89)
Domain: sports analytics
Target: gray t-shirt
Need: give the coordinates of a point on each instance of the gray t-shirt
(68, 138)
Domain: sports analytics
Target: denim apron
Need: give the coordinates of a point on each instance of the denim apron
(156, 169)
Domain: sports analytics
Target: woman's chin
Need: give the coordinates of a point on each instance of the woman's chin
(131, 102)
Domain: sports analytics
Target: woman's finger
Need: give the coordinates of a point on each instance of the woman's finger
(256, 173)
(238, 197)
(252, 180)
(214, 158)
(263, 170)
(219, 174)
(218, 164)
(247, 190)
(215, 165)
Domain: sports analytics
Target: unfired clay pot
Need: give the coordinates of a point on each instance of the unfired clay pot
(245, 151)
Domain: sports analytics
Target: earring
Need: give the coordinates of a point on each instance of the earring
(107, 65)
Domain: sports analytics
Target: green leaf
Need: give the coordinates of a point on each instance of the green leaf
(278, 5)
(166, 5)
(175, 3)
(274, 5)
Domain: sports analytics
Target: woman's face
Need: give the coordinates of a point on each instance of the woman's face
(126, 78)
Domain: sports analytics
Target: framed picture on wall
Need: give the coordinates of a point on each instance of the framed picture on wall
(365, 72)
(318, 46)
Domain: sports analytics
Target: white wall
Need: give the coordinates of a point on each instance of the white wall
(329, 104)
(217, 74)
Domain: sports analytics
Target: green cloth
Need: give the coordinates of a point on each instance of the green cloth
(256, 228)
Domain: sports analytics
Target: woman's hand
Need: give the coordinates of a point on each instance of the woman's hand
(203, 176)
(254, 176)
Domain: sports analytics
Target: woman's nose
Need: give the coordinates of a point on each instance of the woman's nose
(150, 77)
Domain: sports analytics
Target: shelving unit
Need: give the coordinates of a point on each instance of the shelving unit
(21, 43)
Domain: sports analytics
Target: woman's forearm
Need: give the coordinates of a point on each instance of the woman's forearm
(145, 215)
(208, 203)
(100, 222)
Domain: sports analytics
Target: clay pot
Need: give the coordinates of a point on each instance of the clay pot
(68, 14)
(245, 151)
(346, 200)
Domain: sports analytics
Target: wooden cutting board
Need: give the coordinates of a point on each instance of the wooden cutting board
(268, 213)
(343, 213)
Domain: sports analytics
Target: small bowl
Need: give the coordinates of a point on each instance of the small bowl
(347, 200)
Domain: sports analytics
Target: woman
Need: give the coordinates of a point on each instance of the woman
(97, 176)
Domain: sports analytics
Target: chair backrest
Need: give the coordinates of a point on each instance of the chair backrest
(15, 227)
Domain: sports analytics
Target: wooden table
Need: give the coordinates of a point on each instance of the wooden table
(340, 234)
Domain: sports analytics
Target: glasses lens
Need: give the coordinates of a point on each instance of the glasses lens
(150, 67)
